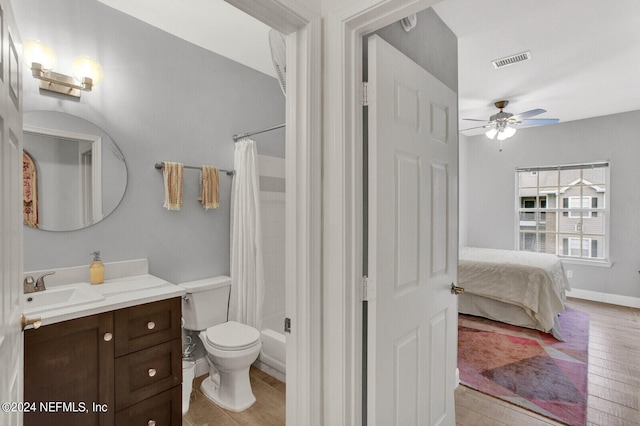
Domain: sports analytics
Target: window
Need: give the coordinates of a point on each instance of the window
(573, 247)
(575, 205)
(563, 210)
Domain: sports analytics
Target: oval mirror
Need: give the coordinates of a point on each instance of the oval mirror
(74, 175)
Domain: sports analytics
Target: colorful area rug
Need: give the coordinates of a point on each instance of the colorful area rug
(526, 367)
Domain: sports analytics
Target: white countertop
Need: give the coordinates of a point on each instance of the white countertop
(117, 294)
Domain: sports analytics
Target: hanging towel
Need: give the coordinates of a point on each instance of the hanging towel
(209, 194)
(172, 173)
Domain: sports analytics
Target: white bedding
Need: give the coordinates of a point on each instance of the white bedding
(534, 282)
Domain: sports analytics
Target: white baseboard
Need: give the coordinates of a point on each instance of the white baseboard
(266, 368)
(457, 377)
(614, 299)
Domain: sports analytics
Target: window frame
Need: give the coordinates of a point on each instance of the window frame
(603, 207)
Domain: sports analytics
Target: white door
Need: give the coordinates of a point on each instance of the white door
(10, 215)
(412, 210)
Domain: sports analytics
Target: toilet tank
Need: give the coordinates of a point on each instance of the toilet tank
(206, 302)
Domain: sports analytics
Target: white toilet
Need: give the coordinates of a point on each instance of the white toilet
(231, 347)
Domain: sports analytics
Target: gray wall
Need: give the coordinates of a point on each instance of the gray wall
(161, 99)
(490, 190)
(431, 44)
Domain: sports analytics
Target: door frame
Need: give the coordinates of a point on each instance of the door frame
(342, 233)
(303, 176)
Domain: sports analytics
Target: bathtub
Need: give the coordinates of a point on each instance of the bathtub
(272, 359)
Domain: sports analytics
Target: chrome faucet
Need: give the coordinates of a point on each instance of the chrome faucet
(40, 282)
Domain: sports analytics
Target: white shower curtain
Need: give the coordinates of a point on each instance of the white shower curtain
(247, 268)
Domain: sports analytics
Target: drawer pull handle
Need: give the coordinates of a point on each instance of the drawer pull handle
(152, 372)
(151, 325)
(108, 337)
(151, 423)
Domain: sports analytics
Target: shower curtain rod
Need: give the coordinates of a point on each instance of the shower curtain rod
(228, 172)
(241, 136)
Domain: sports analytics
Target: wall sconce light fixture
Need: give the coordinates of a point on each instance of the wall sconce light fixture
(41, 58)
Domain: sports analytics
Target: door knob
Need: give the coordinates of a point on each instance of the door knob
(456, 290)
(24, 322)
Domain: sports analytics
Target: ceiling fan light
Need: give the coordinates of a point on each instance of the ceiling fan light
(491, 134)
(509, 131)
(502, 135)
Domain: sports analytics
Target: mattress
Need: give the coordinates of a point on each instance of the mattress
(534, 284)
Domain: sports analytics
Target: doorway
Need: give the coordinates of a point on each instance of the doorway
(343, 278)
(302, 134)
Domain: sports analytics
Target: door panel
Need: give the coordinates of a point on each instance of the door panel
(11, 361)
(412, 210)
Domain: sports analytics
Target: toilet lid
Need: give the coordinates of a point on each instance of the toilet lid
(232, 335)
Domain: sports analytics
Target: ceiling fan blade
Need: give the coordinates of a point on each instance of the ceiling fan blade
(477, 127)
(527, 114)
(537, 122)
(474, 119)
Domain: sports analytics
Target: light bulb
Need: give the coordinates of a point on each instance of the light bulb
(84, 66)
(39, 52)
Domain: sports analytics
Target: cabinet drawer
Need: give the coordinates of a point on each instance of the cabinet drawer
(164, 409)
(148, 372)
(143, 326)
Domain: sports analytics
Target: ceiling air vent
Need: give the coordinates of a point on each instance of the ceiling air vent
(510, 60)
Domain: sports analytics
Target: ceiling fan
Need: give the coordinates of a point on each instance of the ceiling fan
(502, 124)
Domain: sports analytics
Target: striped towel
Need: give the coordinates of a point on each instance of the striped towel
(209, 194)
(172, 173)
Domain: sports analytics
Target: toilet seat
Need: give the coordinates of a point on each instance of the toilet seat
(232, 336)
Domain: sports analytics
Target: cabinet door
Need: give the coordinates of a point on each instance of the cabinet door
(68, 372)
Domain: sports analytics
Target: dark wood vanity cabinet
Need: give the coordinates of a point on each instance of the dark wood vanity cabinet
(72, 363)
(117, 368)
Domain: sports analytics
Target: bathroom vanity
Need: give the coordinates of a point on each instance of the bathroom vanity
(115, 361)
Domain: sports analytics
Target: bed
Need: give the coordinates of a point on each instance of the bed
(516, 287)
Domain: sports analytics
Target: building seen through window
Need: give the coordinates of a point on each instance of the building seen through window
(563, 210)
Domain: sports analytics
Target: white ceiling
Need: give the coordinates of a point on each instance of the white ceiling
(585, 54)
(212, 24)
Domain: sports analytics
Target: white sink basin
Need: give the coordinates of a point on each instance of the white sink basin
(60, 297)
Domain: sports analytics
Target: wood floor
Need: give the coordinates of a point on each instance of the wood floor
(614, 384)
(268, 410)
(614, 376)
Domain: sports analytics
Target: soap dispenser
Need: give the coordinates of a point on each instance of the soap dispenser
(96, 269)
